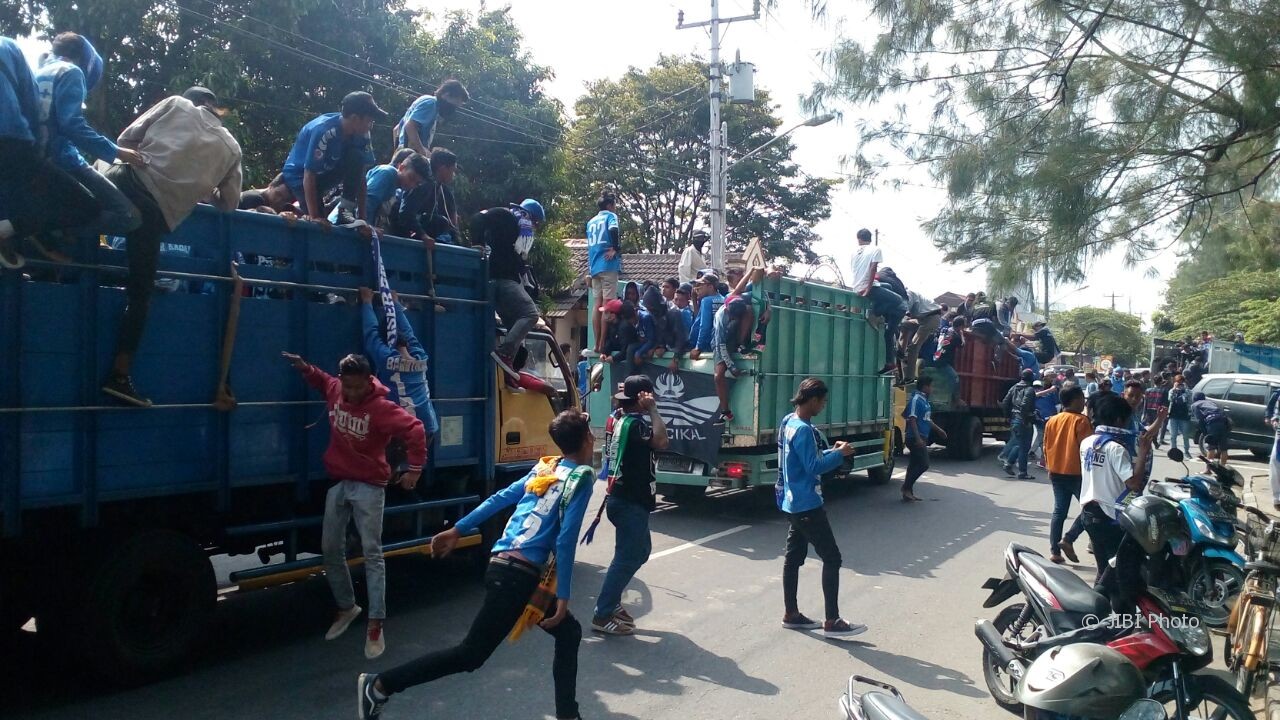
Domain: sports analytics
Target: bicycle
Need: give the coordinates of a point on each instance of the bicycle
(1250, 624)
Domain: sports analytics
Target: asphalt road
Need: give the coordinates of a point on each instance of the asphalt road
(708, 605)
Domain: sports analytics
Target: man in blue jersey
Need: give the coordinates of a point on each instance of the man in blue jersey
(334, 149)
(707, 302)
(402, 367)
(386, 188)
(417, 128)
(635, 434)
(65, 78)
(604, 259)
(801, 465)
(35, 195)
(549, 504)
(1026, 357)
(920, 426)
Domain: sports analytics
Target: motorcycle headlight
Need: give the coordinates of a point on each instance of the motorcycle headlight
(1192, 638)
(1206, 528)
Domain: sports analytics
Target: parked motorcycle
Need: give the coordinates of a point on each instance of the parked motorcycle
(1158, 633)
(1211, 573)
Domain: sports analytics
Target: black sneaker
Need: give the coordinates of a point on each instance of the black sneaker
(1008, 470)
(345, 217)
(799, 621)
(368, 707)
(121, 388)
(1026, 476)
(723, 417)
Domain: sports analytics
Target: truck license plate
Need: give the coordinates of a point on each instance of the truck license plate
(675, 463)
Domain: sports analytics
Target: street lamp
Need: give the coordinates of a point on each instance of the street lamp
(718, 198)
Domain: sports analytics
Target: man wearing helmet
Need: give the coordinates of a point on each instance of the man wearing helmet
(1113, 466)
(508, 234)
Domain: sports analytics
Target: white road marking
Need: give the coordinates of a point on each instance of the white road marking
(699, 541)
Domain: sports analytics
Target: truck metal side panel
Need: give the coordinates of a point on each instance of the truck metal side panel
(1225, 357)
(982, 384)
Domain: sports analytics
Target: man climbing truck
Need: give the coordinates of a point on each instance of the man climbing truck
(109, 515)
(814, 330)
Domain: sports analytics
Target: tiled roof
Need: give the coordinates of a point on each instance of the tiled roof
(950, 299)
(635, 266)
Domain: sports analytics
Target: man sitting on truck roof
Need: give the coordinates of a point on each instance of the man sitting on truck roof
(362, 422)
(333, 149)
(191, 158)
(708, 302)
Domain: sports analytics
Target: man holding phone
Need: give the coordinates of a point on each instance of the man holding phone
(801, 465)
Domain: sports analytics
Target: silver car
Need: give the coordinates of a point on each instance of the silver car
(1245, 397)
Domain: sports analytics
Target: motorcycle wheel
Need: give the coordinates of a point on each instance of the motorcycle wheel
(1002, 687)
(1218, 699)
(1213, 587)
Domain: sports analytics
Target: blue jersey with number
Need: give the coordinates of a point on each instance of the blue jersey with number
(599, 242)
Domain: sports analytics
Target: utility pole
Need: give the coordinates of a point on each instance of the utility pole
(716, 74)
(1113, 297)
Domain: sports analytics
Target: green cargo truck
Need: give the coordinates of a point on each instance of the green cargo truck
(816, 330)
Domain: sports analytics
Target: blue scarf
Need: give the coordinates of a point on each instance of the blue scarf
(384, 289)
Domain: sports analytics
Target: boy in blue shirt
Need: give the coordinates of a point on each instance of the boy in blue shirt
(387, 185)
(334, 149)
(401, 367)
(801, 465)
(549, 504)
(35, 195)
(708, 301)
(920, 425)
(417, 128)
(65, 78)
(604, 258)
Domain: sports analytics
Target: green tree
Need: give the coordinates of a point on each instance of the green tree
(645, 136)
(1247, 301)
(1104, 331)
(1062, 128)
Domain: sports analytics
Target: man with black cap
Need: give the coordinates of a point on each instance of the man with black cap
(632, 494)
(190, 157)
(333, 149)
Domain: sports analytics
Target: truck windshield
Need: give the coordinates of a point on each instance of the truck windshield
(543, 363)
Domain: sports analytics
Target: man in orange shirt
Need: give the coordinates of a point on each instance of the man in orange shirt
(1063, 434)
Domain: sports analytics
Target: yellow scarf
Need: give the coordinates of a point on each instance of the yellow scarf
(544, 596)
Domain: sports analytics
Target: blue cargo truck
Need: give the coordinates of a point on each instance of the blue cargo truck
(109, 515)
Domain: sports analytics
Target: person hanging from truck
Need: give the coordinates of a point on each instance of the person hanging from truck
(798, 492)
(529, 576)
(417, 129)
(985, 325)
(949, 344)
(36, 196)
(743, 285)
(66, 76)
(890, 306)
(920, 425)
(191, 158)
(922, 321)
(637, 432)
(334, 149)
(362, 423)
(730, 326)
(604, 259)
(503, 232)
(1006, 313)
(1047, 345)
(401, 366)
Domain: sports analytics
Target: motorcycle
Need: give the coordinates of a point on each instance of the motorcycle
(1159, 634)
(1212, 573)
(884, 702)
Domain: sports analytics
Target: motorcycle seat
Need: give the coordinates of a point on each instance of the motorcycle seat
(1074, 594)
(883, 706)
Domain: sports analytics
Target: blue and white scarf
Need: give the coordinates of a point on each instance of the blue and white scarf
(384, 288)
(1095, 457)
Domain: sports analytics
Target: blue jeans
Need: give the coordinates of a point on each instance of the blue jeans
(631, 548)
(1183, 428)
(1018, 446)
(348, 500)
(892, 307)
(1065, 487)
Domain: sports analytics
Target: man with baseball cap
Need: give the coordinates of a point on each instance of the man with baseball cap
(332, 149)
(630, 440)
(190, 157)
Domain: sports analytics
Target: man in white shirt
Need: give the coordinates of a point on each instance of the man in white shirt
(692, 260)
(189, 157)
(1113, 468)
(884, 302)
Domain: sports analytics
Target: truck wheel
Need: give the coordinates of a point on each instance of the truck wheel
(899, 446)
(968, 438)
(681, 494)
(882, 474)
(146, 605)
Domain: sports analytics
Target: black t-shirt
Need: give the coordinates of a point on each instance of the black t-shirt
(251, 200)
(951, 343)
(1048, 343)
(499, 229)
(637, 467)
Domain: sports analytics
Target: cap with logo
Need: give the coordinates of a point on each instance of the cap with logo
(631, 388)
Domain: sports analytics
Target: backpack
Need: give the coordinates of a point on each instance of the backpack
(1178, 405)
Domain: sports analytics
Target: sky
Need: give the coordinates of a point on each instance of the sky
(587, 40)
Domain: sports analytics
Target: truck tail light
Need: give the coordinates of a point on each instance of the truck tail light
(736, 470)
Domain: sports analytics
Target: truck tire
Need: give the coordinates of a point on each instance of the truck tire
(899, 446)
(883, 473)
(146, 605)
(681, 494)
(967, 438)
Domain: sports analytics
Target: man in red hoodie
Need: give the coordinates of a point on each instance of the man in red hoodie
(361, 423)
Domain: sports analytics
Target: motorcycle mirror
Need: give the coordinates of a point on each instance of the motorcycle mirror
(1176, 455)
(1145, 709)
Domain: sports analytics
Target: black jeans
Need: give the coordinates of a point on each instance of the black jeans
(1105, 535)
(811, 527)
(1065, 487)
(506, 591)
(37, 195)
(917, 464)
(143, 249)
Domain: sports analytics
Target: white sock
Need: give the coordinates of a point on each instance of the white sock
(6, 229)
